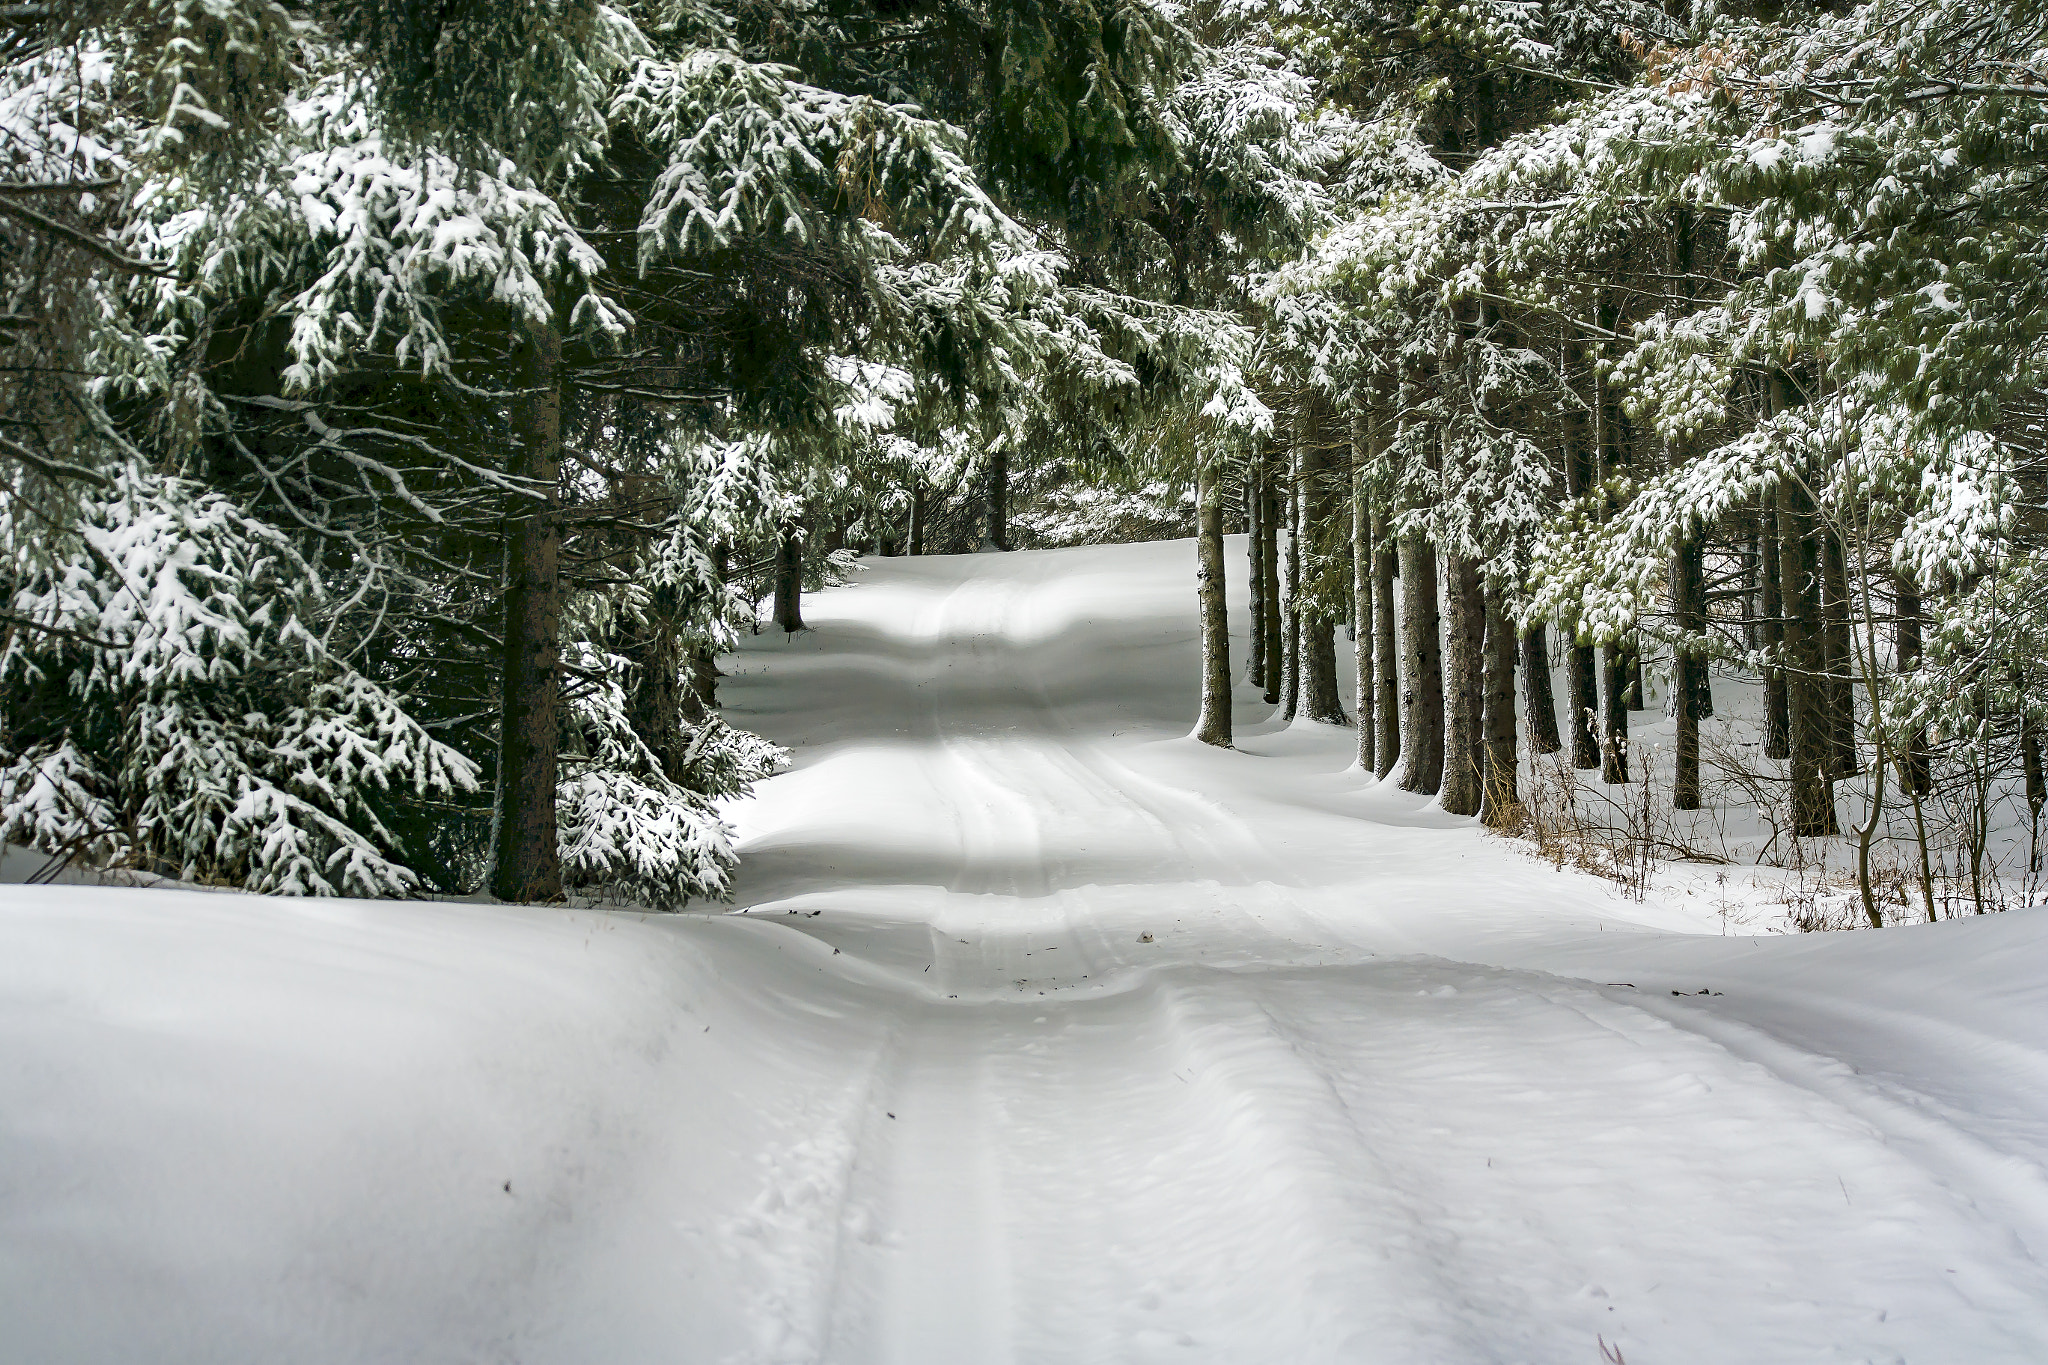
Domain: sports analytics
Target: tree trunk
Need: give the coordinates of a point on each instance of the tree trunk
(1475, 696)
(1361, 592)
(526, 855)
(1320, 701)
(1254, 511)
(704, 674)
(1840, 687)
(1777, 702)
(1537, 698)
(1688, 614)
(656, 705)
(2030, 764)
(1813, 799)
(1906, 647)
(1502, 808)
(1614, 730)
(1213, 726)
(1583, 675)
(1752, 606)
(1615, 444)
(1464, 681)
(789, 575)
(1269, 552)
(998, 498)
(1386, 650)
(920, 516)
(1323, 510)
(1582, 672)
(1290, 669)
(1422, 682)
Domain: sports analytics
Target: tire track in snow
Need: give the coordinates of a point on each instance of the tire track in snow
(1584, 1152)
(2007, 1189)
(1206, 1156)
(926, 1276)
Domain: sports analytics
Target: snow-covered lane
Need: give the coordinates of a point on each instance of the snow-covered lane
(1222, 1081)
(1040, 1035)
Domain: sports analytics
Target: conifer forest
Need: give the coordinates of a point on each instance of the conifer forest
(1025, 681)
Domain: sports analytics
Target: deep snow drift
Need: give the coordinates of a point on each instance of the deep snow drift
(1046, 1036)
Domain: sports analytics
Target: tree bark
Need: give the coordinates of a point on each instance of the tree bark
(1269, 552)
(1537, 697)
(1582, 671)
(1688, 613)
(1386, 650)
(1777, 702)
(1290, 669)
(1583, 676)
(1320, 701)
(1213, 725)
(1254, 509)
(997, 497)
(1813, 799)
(659, 698)
(526, 855)
(1839, 690)
(704, 674)
(1323, 509)
(1464, 630)
(2036, 783)
(920, 516)
(1906, 648)
(789, 575)
(1499, 788)
(1363, 708)
(1753, 575)
(1614, 730)
(1422, 682)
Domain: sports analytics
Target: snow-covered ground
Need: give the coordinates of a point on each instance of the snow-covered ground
(1045, 1036)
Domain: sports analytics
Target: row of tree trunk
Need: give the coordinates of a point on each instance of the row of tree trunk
(1436, 680)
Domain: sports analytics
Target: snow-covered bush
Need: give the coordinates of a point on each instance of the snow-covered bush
(1071, 513)
(168, 704)
(631, 829)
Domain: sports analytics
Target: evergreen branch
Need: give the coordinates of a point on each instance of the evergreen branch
(58, 186)
(55, 469)
(48, 629)
(83, 240)
(1936, 89)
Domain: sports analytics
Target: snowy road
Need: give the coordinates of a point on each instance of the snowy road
(1181, 1064)
(1046, 1036)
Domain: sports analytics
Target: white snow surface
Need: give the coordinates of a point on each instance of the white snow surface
(1046, 1035)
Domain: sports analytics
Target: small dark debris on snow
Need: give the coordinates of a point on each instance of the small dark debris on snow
(835, 952)
(1630, 984)
(508, 1187)
(887, 1112)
